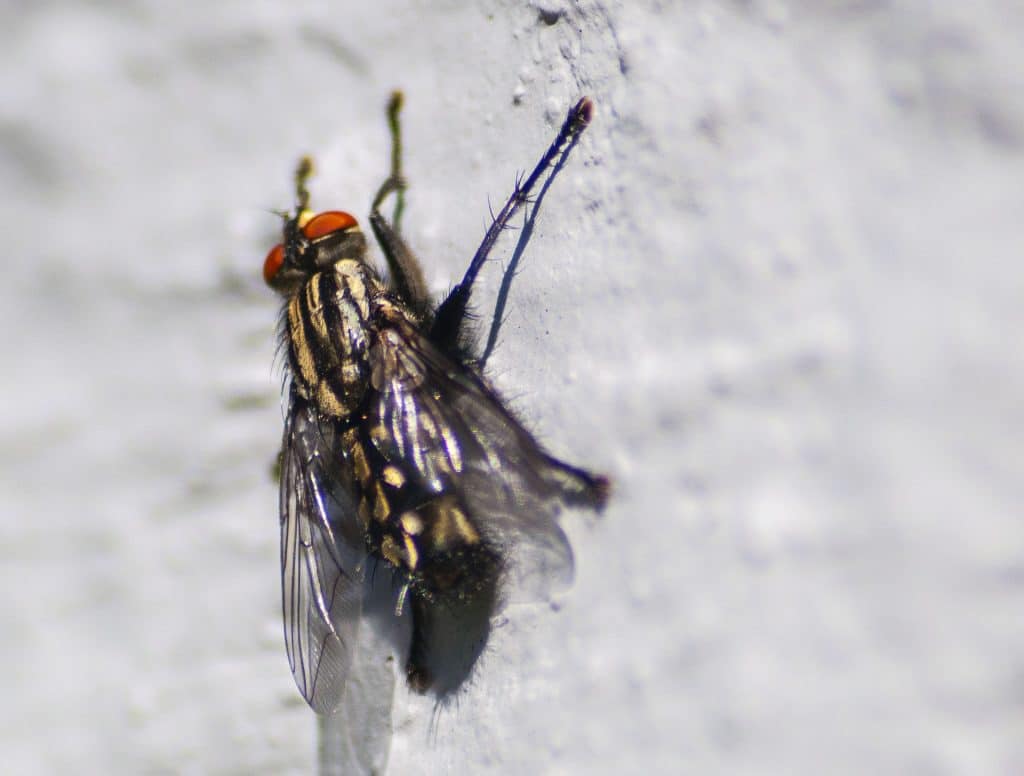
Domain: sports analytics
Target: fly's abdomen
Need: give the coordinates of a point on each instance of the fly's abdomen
(424, 531)
(327, 328)
(437, 544)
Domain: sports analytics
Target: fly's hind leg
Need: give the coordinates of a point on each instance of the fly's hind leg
(576, 486)
(406, 274)
(450, 319)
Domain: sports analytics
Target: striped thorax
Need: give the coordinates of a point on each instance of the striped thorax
(327, 325)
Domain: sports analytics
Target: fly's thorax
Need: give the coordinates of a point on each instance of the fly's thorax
(327, 328)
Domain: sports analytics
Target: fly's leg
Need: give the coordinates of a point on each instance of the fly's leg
(303, 172)
(406, 275)
(293, 223)
(451, 315)
(395, 130)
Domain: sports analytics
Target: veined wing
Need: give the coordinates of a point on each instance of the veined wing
(321, 559)
(445, 427)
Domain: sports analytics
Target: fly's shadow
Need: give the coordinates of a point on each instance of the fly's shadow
(509, 275)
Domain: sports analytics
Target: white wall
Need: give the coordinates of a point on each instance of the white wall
(776, 294)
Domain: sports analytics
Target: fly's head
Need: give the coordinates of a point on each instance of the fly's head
(312, 241)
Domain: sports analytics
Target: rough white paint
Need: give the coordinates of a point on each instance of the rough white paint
(777, 294)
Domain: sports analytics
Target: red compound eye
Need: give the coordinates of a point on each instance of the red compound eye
(273, 263)
(328, 222)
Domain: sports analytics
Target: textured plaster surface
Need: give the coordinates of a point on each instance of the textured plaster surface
(776, 294)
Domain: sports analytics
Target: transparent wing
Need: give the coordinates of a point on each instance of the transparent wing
(321, 559)
(447, 428)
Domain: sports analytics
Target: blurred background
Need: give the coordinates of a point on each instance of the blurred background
(776, 294)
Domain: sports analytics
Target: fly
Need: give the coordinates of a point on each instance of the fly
(398, 452)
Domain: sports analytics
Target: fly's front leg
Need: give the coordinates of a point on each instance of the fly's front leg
(451, 315)
(303, 172)
(406, 274)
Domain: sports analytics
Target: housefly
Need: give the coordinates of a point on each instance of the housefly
(398, 452)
